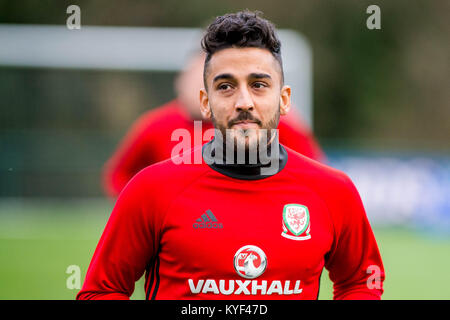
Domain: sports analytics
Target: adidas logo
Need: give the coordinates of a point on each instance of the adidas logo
(208, 221)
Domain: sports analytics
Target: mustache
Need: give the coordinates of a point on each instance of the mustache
(244, 116)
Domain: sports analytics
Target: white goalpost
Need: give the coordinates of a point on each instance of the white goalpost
(139, 49)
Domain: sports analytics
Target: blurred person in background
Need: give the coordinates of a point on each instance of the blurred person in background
(149, 139)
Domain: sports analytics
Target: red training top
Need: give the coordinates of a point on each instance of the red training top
(203, 233)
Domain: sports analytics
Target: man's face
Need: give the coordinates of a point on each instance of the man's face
(244, 94)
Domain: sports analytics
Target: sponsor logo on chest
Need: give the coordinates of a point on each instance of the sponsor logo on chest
(249, 262)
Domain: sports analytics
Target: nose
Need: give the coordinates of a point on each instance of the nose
(244, 101)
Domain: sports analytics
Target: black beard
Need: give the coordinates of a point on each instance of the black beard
(245, 115)
(250, 155)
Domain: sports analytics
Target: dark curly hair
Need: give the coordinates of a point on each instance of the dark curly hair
(242, 29)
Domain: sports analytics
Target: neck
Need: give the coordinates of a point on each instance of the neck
(244, 164)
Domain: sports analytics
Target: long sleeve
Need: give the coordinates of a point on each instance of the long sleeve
(354, 263)
(126, 247)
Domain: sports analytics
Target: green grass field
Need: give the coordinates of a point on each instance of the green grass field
(39, 240)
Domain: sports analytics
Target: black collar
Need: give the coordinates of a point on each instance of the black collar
(276, 161)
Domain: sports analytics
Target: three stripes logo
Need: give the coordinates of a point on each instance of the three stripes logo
(207, 221)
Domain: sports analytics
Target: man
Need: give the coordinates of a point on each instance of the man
(150, 139)
(239, 225)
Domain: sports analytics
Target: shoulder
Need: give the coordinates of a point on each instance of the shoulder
(316, 174)
(332, 186)
(171, 174)
(149, 194)
(162, 118)
(167, 112)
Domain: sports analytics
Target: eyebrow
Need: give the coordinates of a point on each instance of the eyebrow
(259, 76)
(223, 76)
(251, 76)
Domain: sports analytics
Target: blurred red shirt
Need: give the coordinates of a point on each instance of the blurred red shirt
(149, 141)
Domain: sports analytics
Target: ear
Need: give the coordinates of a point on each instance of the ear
(205, 108)
(285, 100)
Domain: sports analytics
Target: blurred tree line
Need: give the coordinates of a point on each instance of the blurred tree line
(382, 89)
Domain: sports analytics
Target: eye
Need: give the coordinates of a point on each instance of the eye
(259, 85)
(224, 86)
